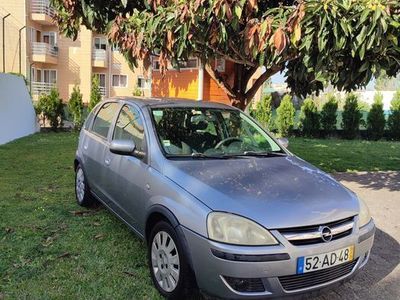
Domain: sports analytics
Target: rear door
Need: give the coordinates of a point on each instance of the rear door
(95, 148)
(127, 174)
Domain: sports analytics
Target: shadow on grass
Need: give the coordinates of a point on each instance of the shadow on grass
(373, 180)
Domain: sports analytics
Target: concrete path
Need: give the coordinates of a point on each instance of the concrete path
(381, 277)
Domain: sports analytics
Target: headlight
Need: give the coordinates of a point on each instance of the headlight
(233, 229)
(364, 215)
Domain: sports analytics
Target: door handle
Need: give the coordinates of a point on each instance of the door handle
(107, 161)
(85, 147)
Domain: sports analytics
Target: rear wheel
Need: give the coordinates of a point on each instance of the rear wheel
(82, 191)
(169, 269)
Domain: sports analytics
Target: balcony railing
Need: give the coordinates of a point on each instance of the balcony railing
(99, 54)
(42, 7)
(44, 49)
(39, 88)
(103, 91)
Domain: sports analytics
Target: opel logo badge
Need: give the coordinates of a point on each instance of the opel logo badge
(326, 234)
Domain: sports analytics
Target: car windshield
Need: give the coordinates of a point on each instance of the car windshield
(210, 132)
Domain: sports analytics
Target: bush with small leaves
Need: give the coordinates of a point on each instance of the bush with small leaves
(75, 107)
(329, 115)
(263, 111)
(50, 107)
(376, 119)
(351, 117)
(309, 119)
(285, 116)
(95, 94)
(394, 117)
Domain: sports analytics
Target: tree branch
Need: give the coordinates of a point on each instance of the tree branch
(220, 81)
(260, 80)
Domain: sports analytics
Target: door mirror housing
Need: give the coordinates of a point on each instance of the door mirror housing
(126, 147)
(283, 142)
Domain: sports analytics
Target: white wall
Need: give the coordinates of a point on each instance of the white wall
(17, 116)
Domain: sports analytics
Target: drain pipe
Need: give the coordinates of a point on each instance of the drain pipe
(200, 92)
(4, 43)
(19, 49)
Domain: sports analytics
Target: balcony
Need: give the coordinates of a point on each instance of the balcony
(42, 12)
(39, 88)
(99, 58)
(44, 53)
(103, 91)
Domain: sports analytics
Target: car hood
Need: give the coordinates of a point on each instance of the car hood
(276, 192)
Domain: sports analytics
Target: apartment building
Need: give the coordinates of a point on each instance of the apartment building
(33, 47)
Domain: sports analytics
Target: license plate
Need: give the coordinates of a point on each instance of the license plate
(325, 260)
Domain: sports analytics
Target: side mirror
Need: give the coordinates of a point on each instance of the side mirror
(126, 147)
(283, 142)
(122, 147)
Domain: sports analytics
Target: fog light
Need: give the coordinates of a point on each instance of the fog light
(245, 285)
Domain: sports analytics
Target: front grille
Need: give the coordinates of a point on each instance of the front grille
(314, 229)
(245, 285)
(306, 280)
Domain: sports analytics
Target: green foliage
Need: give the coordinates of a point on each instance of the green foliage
(329, 115)
(137, 92)
(50, 107)
(310, 124)
(385, 83)
(394, 117)
(95, 94)
(376, 119)
(285, 116)
(340, 42)
(263, 111)
(351, 117)
(75, 107)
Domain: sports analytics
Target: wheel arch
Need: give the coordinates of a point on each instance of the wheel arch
(159, 213)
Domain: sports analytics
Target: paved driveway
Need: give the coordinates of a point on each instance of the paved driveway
(381, 277)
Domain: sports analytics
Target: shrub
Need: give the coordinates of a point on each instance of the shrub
(329, 115)
(394, 117)
(75, 107)
(376, 119)
(309, 118)
(263, 111)
(95, 94)
(285, 116)
(351, 117)
(50, 107)
(137, 92)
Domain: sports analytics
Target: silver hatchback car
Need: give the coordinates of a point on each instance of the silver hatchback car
(221, 204)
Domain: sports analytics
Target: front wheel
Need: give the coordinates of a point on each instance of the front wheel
(169, 269)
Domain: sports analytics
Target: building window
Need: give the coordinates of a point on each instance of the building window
(156, 65)
(100, 43)
(119, 81)
(220, 64)
(50, 76)
(50, 38)
(191, 63)
(143, 83)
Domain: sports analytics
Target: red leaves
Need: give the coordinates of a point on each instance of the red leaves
(279, 39)
(170, 41)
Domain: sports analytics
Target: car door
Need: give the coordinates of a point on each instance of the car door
(126, 173)
(95, 147)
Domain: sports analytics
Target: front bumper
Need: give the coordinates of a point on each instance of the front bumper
(211, 270)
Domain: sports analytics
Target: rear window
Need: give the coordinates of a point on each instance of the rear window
(103, 120)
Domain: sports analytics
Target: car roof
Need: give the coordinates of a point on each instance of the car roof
(171, 102)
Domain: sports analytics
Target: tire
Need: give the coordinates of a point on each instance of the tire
(82, 192)
(169, 268)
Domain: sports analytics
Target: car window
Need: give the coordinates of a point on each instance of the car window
(129, 126)
(103, 120)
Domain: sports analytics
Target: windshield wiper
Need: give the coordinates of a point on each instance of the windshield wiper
(263, 154)
(206, 156)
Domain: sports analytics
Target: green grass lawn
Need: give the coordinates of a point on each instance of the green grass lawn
(49, 249)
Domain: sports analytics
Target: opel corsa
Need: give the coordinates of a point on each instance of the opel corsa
(221, 204)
